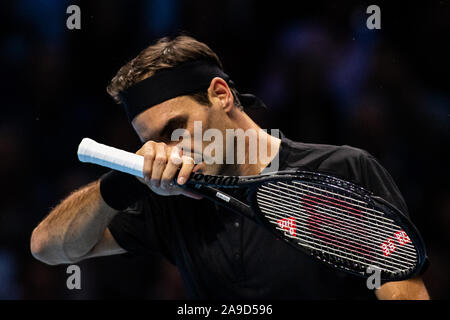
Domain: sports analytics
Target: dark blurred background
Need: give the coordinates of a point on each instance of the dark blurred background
(325, 77)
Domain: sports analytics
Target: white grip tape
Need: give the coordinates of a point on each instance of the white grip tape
(93, 152)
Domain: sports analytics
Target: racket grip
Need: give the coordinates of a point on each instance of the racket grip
(91, 151)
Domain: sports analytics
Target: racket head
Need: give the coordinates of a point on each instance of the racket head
(365, 231)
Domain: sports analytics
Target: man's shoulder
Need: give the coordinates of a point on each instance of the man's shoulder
(321, 156)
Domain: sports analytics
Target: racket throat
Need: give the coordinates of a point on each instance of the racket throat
(226, 201)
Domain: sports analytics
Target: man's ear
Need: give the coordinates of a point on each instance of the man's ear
(220, 93)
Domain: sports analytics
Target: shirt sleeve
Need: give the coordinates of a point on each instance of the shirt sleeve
(141, 229)
(360, 167)
(378, 180)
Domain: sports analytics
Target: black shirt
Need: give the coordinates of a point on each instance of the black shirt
(221, 255)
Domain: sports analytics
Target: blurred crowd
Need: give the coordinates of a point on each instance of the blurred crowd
(324, 76)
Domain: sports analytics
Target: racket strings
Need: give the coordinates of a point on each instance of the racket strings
(336, 255)
(374, 222)
(301, 199)
(370, 212)
(338, 237)
(342, 257)
(365, 234)
(345, 233)
(368, 256)
(340, 216)
(342, 229)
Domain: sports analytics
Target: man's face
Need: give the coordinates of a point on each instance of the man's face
(159, 122)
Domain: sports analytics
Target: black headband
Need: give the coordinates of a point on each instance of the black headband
(169, 83)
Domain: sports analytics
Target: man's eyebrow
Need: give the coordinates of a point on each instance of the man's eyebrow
(177, 122)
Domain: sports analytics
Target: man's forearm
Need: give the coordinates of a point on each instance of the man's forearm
(73, 228)
(411, 289)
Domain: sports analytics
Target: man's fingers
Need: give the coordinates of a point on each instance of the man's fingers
(186, 170)
(159, 164)
(162, 164)
(148, 151)
(173, 163)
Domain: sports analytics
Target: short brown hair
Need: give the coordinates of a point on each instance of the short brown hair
(165, 53)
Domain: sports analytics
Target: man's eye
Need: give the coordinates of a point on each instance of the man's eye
(169, 131)
(170, 128)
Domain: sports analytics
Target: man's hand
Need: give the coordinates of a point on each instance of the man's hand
(411, 289)
(161, 164)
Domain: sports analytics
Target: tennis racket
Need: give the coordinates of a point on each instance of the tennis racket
(330, 219)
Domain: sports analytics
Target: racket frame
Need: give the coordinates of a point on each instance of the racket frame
(252, 211)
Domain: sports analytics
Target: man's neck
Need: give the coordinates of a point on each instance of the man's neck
(272, 146)
(266, 149)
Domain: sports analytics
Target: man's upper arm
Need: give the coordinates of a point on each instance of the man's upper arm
(107, 246)
(131, 231)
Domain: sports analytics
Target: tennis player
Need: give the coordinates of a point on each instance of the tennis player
(220, 255)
